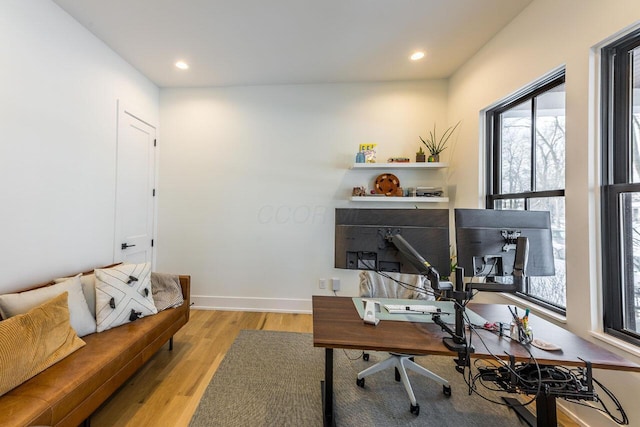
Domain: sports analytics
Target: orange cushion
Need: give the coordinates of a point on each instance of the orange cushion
(31, 342)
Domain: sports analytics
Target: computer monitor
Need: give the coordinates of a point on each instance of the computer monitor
(362, 239)
(486, 243)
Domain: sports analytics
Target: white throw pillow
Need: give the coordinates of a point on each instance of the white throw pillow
(88, 288)
(81, 318)
(123, 294)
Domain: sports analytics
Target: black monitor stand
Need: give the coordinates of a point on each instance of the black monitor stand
(463, 293)
(457, 341)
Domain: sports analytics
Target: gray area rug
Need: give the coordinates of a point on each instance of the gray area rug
(273, 379)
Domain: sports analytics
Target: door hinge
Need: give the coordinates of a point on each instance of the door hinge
(151, 242)
(154, 192)
(155, 142)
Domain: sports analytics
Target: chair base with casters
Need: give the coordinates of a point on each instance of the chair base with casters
(402, 362)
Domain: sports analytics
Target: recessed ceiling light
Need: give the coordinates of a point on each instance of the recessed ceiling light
(182, 65)
(417, 55)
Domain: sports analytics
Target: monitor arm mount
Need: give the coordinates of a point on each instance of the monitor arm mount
(463, 294)
(456, 341)
(513, 241)
(419, 263)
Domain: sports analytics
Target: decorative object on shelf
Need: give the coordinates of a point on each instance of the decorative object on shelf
(436, 145)
(429, 192)
(369, 151)
(420, 157)
(359, 191)
(387, 184)
(360, 157)
(398, 160)
(401, 195)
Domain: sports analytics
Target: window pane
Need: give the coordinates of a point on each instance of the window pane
(527, 157)
(552, 289)
(550, 130)
(635, 115)
(630, 260)
(509, 204)
(515, 149)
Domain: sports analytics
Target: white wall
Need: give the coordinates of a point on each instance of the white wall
(250, 178)
(58, 97)
(549, 34)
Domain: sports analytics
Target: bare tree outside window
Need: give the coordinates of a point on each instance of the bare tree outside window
(530, 171)
(516, 149)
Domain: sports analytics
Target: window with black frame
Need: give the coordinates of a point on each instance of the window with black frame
(525, 170)
(621, 187)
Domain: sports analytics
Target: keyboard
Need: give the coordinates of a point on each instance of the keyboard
(413, 308)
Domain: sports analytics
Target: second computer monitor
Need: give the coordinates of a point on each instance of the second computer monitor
(362, 243)
(486, 241)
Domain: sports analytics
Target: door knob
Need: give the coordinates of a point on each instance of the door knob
(125, 246)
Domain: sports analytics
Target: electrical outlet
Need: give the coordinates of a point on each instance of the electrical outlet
(322, 283)
(335, 284)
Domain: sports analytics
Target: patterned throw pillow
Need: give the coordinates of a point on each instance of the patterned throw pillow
(123, 294)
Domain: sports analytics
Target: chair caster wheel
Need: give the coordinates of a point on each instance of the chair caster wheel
(360, 382)
(415, 410)
(365, 357)
(446, 390)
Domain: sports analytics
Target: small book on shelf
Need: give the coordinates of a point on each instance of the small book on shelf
(369, 151)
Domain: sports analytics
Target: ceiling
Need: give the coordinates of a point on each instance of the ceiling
(252, 42)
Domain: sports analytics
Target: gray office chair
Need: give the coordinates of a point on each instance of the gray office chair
(373, 285)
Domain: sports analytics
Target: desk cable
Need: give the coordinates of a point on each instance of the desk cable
(547, 384)
(622, 421)
(478, 377)
(555, 380)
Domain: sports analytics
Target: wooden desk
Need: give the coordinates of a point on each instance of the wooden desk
(336, 324)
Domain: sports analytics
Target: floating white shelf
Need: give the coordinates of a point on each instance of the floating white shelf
(413, 165)
(383, 199)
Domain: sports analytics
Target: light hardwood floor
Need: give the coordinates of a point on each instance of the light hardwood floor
(167, 390)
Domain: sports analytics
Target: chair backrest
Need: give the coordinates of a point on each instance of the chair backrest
(374, 285)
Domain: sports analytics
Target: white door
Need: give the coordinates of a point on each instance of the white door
(135, 190)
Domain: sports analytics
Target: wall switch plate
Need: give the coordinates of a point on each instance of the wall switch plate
(335, 284)
(322, 283)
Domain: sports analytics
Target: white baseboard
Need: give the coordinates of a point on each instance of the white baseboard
(566, 408)
(276, 305)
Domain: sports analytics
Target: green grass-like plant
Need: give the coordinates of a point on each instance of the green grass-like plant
(434, 145)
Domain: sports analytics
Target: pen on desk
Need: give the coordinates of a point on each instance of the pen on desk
(516, 319)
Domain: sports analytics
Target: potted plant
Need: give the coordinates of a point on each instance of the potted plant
(420, 157)
(436, 145)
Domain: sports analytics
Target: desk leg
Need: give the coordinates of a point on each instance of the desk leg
(546, 410)
(546, 415)
(327, 390)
